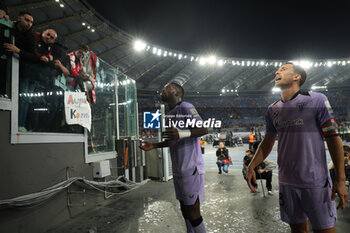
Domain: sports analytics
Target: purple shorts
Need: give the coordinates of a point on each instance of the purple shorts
(189, 188)
(298, 205)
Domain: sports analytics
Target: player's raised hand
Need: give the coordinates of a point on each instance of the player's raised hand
(147, 146)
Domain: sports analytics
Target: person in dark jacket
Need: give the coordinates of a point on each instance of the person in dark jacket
(24, 38)
(222, 158)
(3, 11)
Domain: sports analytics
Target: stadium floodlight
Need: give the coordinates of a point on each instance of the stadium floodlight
(192, 58)
(202, 61)
(305, 64)
(165, 53)
(175, 54)
(170, 53)
(57, 0)
(220, 62)
(242, 63)
(139, 45)
(223, 90)
(159, 52)
(262, 63)
(92, 30)
(211, 60)
(343, 63)
(329, 64)
(88, 27)
(231, 90)
(83, 23)
(318, 87)
(236, 90)
(233, 62)
(185, 56)
(276, 90)
(154, 50)
(180, 56)
(61, 5)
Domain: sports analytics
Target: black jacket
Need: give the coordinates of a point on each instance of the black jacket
(25, 41)
(222, 154)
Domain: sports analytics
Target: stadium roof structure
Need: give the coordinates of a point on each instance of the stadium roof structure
(153, 66)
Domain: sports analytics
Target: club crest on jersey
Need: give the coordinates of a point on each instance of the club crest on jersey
(301, 106)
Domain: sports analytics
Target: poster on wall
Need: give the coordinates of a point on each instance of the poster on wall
(77, 109)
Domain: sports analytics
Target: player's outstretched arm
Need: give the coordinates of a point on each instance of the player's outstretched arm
(174, 133)
(149, 146)
(198, 132)
(335, 147)
(262, 152)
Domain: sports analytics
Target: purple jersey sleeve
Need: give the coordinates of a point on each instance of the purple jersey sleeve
(270, 128)
(190, 112)
(324, 110)
(325, 116)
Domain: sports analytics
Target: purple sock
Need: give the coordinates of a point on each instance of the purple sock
(189, 226)
(200, 228)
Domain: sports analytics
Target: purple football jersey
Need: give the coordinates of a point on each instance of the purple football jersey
(301, 152)
(186, 155)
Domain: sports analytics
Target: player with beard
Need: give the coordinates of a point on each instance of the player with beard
(302, 120)
(186, 156)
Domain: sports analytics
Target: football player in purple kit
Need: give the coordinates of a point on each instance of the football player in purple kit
(186, 156)
(301, 121)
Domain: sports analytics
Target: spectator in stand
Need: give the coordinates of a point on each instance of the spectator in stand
(24, 38)
(79, 66)
(25, 47)
(3, 10)
(44, 44)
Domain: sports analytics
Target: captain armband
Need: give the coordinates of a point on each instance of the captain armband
(184, 133)
(330, 128)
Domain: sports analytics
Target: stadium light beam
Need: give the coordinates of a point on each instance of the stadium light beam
(202, 61)
(211, 60)
(139, 45)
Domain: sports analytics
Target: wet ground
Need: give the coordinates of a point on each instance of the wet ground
(229, 207)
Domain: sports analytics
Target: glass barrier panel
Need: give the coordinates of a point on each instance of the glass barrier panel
(41, 100)
(103, 129)
(5, 58)
(127, 106)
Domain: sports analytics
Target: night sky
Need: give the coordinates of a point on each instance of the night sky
(265, 29)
